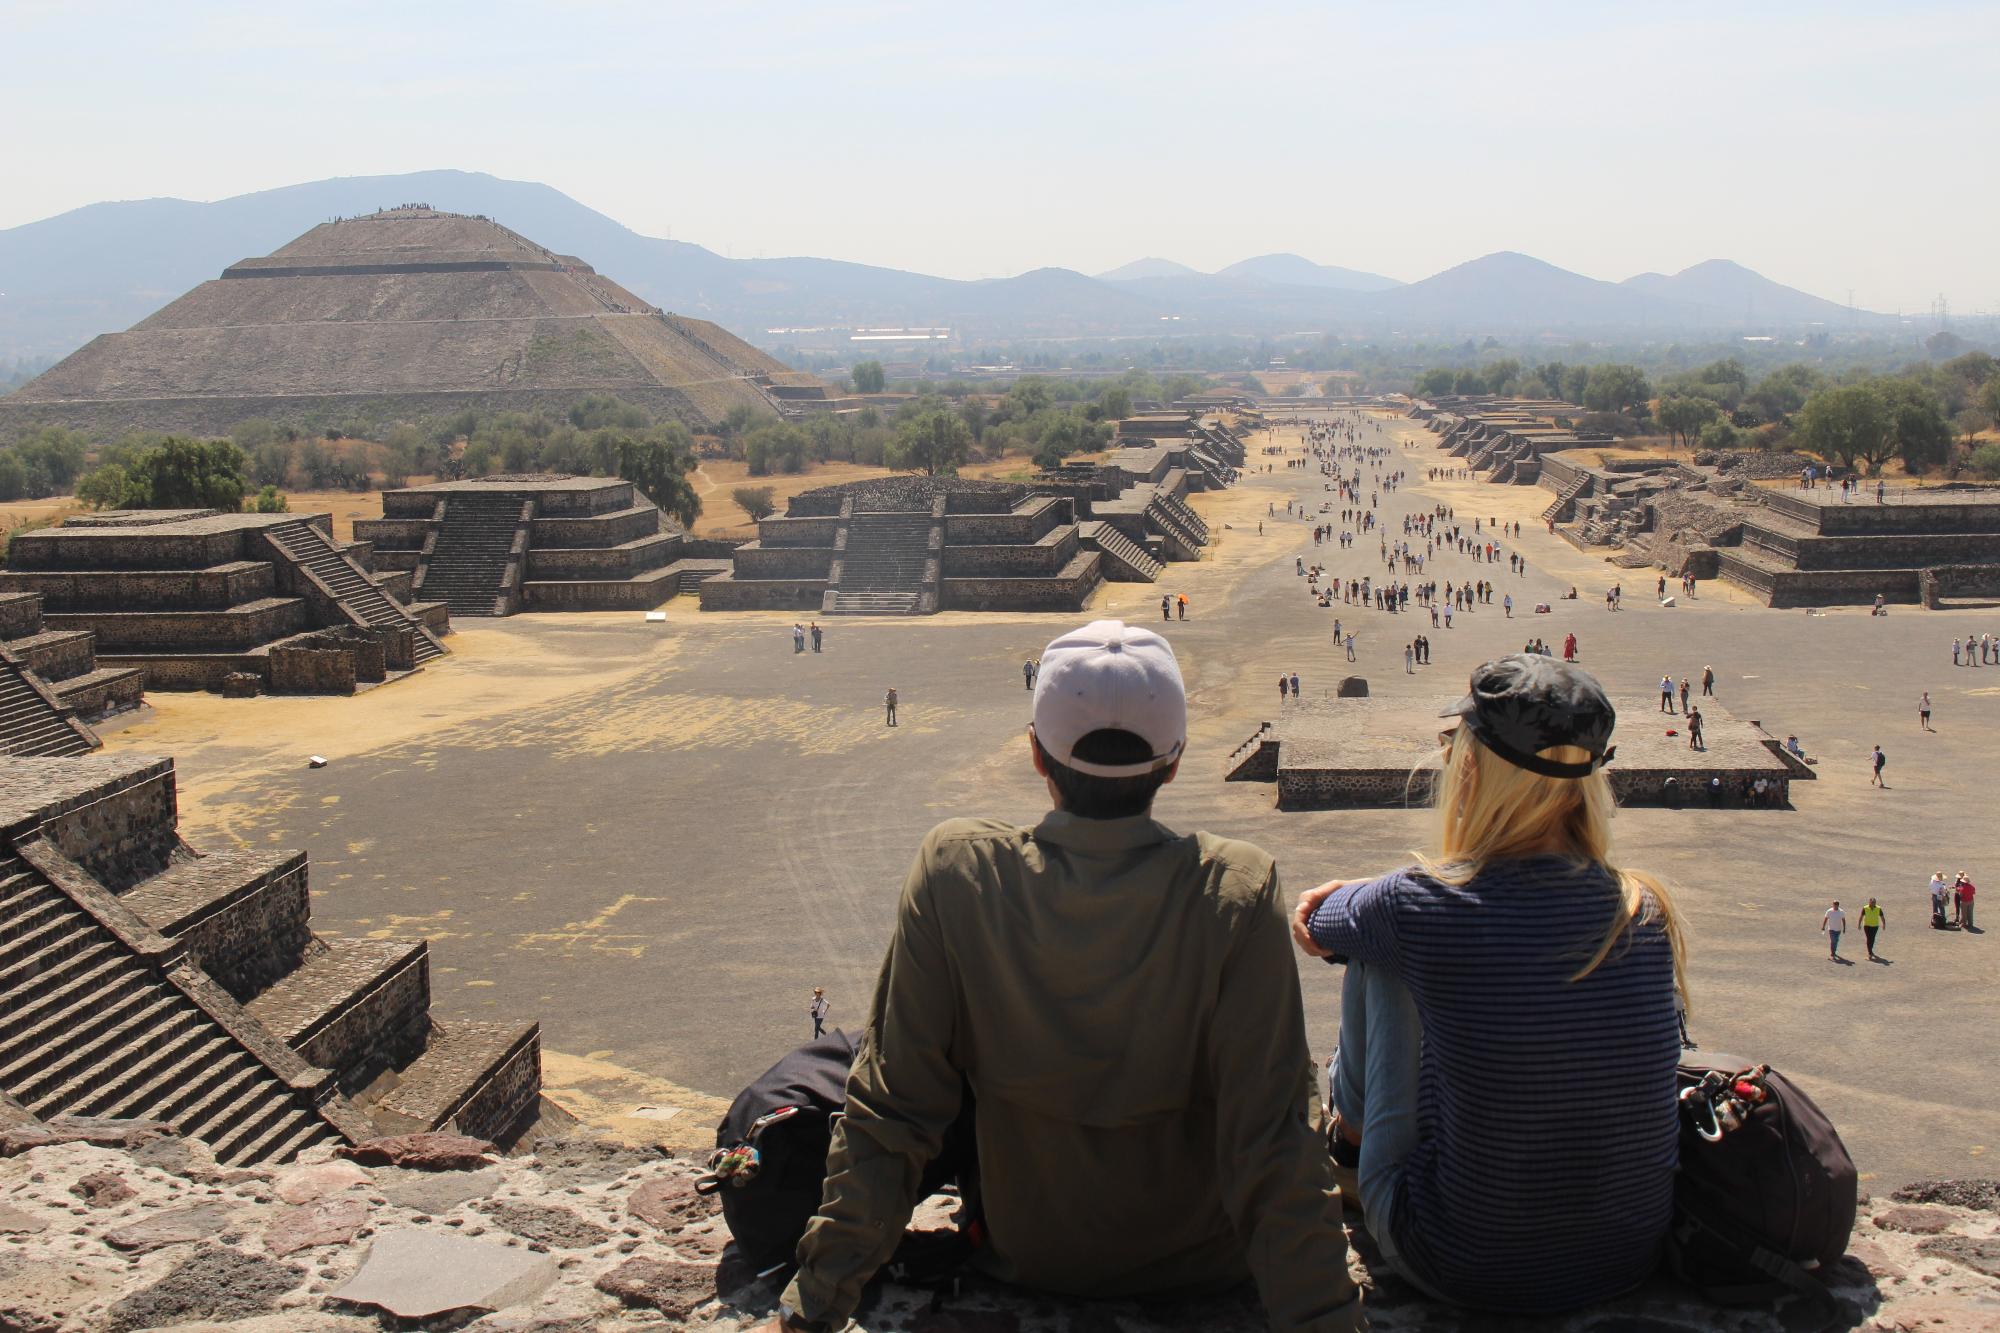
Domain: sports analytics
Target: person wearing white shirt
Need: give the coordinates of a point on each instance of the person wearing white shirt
(1833, 923)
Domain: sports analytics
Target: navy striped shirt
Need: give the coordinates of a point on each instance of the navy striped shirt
(1543, 1173)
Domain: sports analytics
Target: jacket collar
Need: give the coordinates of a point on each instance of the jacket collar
(1101, 835)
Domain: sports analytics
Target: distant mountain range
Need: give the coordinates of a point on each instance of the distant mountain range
(101, 268)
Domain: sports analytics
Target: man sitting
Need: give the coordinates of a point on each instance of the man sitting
(1120, 1004)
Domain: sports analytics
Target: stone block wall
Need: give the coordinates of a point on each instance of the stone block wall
(783, 562)
(1863, 518)
(124, 831)
(107, 548)
(613, 529)
(116, 589)
(255, 938)
(792, 531)
(296, 669)
(240, 628)
(1046, 556)
(1959, 581)
(507, 1097)
(1068, 591)
(193, 671)
(611, 594)
(732, 594)
(383, 1027)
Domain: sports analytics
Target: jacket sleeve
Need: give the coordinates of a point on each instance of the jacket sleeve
(903, 1093)
(1277, 1181)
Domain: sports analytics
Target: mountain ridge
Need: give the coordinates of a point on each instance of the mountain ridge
(104, 266)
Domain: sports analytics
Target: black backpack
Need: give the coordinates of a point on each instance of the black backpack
(1765, 1191)
(769, 1165)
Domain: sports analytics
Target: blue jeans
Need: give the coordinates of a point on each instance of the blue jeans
(1373, 1086)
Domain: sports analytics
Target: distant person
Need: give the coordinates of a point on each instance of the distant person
(1028, 674)
(889, 702)
(1873, 918)
(1666, 694)
(1684, 694)
(1940, 901)
(1834, 923)
(818, 1011)
(1167, 607)
(798, 637)
(1180, 604)
(1965, 894)
(1924, 711)
(1877, 761)
(1695, 741)
(1708, 681)
(818, 636)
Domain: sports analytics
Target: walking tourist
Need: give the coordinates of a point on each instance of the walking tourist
(1666, 694)
(1695, 741)
(818, 636)
(1708, 681)
(1940, 900)
(889, 701)
(1924, 711)
(1459, 1181)
(1167, 602)
(1028, 674)
(1877, 760)
(818, 1010)
(1684, 694)
(798, 637)
(1105, 971)
(1833, 923)
(1180, 604)
(1873, 918)
(1961, 900)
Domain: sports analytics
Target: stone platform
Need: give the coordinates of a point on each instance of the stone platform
(1342, 753)
(141, 980)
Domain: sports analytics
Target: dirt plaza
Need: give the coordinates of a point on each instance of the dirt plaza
(660, 838)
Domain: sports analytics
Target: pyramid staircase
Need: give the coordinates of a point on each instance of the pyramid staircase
(1125, 561)
(90, 1026)
(885, 565)
(468, 565)
(1564, 504)
(311, 549)
(32, 722)
(1162, 516)
(1184, 511)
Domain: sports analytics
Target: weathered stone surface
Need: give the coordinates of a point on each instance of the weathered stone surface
(565, 1162)
(674, 1289)
(1351, 687)
(1938, 1314)
(303, 1184)
(1953, 1193)
(1916, 1219)
(102, 1189)
(40, 1296)
(435, 1192)
(16, 1139)
(559, 1228)
(327, 1222)
(14, 1222)
(174, 1227)
(213, 1284)
(1981, 1256)
(423, 1152)
(415, 1274)
(670, 1203)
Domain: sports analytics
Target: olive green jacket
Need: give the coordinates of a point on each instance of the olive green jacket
(1124, 1005)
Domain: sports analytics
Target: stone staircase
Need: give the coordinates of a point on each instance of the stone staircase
(1125, 561)
(88, 1027)
(1163, 517)
(310, 549)
(884, 565)
(468, 564)
(1184, 511)
(1560, 508)
(31, 722)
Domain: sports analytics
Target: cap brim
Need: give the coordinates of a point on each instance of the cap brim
(1465, 707)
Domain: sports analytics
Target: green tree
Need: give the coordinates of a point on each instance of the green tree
(1849, 424)
(1684, 415)
(1919, 435)
(1116, 402)
(1616, 388)
(102, 488)
(779, 447)
(1989, 399)
(753, 500)
(13, 477)
(868, 377)
(1784, 391)
(270, 500)
(659, 468)
(180, 473)
(1436, 382)
(1720, 435)
(934, 441)
(1985, 461)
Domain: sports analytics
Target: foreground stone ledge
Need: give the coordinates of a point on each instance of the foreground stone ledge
(590, 1236)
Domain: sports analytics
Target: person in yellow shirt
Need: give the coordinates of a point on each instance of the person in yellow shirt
(1872, 920)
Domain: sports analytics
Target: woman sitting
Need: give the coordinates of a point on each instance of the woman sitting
(1504, 1084)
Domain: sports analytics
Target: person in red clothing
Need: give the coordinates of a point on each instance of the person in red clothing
(1961, 896)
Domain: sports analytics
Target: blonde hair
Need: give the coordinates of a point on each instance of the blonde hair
(1491, 810)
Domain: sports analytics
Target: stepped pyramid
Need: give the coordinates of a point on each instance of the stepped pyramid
(411, 310)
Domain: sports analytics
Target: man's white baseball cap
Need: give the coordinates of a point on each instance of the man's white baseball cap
(1110, 676)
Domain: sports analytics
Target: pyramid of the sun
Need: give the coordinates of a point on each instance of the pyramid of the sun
(410, 312)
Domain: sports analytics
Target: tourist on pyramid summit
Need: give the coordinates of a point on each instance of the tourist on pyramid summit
(1518, 946)
(1119, 1003)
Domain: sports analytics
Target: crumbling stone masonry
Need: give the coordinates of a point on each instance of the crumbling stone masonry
(142, 980)
(186, 599)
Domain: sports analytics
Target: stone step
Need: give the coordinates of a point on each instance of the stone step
(158, 1085)
(29, 723)
(872, 603)
(358, 1008)
(434, 1091)
(311, 548)
(256, 1119)
(46, 1080)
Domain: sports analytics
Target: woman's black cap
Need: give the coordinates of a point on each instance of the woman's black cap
(1525, 702)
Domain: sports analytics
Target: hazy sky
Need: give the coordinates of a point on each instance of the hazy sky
(1829, 146)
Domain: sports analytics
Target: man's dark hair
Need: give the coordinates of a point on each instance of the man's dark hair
(1091, 797)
